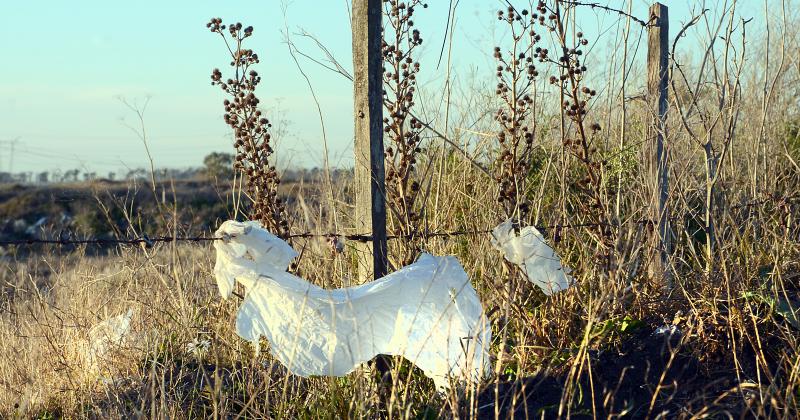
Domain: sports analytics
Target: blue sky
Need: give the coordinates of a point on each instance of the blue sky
(66, 63)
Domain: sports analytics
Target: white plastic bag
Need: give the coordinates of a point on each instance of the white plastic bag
(427, 312)
(246, 252)
(104, 338)
(528, 250)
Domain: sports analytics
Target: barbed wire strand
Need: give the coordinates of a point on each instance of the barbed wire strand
(144, 240)
(148, 241)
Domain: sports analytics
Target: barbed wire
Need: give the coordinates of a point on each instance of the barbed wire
(148, 241)
(610, 9)
(142, 240)
(594, 6)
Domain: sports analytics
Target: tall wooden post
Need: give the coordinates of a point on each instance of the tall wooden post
(369, 159)
(657, 87)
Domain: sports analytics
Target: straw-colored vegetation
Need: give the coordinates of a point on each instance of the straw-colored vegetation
(732, 342)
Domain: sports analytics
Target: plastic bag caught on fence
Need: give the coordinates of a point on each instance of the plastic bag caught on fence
(427, 312)
(530, 252)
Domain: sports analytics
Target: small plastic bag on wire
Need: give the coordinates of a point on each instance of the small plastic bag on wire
(427, 312)
(528, 250)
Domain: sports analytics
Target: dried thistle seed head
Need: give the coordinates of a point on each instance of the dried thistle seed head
(251, 135)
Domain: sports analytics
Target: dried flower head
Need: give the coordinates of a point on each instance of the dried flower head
(403, 131)
(250, 128)
(516, 74)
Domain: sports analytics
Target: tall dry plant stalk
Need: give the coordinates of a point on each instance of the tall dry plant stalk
(251, 129)
(579, 132)
(516, 77)
(402, 130)
(713, 128)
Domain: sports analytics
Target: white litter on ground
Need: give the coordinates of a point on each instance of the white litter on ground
(198, 347)
(427, 312)
(104, 338)
(667, 330)
(528, 250)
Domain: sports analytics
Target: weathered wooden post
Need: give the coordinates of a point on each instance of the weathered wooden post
(657, 87)
(369, 159)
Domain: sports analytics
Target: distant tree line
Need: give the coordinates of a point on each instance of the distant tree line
(216, 166)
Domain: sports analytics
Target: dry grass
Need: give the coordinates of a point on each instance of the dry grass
(52, 300)
(590, 351)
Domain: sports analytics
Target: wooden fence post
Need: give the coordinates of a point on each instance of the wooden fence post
(370, 190)
(657, 88)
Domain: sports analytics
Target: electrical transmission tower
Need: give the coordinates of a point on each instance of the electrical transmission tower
(10, 144)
